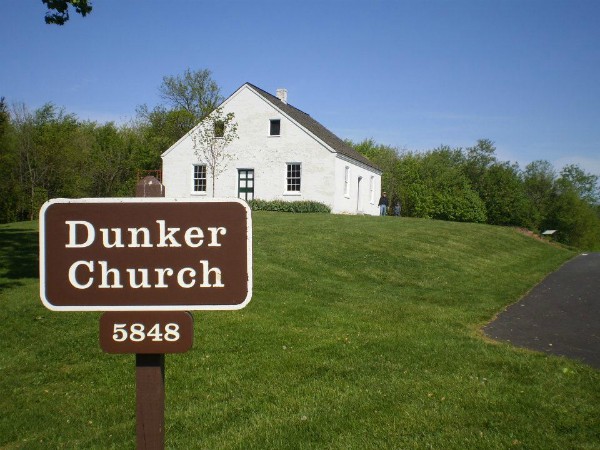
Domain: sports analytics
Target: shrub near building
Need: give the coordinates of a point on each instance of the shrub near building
(292, 207)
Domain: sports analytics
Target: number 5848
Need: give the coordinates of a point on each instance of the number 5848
(137, 332)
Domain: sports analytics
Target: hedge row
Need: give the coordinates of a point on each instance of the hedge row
(292, 207)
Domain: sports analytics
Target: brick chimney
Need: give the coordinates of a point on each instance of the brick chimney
(282, 95)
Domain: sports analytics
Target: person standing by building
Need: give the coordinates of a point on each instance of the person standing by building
(397, 208)
(383, 204)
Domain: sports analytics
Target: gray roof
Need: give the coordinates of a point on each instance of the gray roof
(315, 128)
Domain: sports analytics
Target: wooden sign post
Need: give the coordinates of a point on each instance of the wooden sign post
(150, 370)
(150, 401)
(148, 334)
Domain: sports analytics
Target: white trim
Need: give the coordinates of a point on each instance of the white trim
(359, 207)
(347, 181)
(193, 191)
(286, 191)
(358, 163)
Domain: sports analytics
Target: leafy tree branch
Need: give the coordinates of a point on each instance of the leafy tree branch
(58, 10)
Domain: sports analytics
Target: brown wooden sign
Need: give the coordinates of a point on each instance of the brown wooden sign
(146, 331)
(145, 254)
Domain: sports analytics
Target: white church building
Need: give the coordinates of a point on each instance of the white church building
(281, 153)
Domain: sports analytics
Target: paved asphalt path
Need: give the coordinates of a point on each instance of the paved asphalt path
(561, 315)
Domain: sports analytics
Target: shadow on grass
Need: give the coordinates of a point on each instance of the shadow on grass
(18, 256)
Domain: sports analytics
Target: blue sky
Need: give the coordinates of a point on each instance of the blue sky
(411, 74)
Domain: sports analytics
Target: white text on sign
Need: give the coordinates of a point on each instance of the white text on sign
(81, 273)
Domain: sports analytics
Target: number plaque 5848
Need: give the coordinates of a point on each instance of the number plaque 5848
(146, 331)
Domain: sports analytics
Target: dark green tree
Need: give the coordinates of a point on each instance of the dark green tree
(110, 161)
(434, 184)
(539, 178)
(503, 194)
(158, 129)
(58, 10)
(163, 127)
(576, 221)
(10, 188)
(498, 184)
(51, 154)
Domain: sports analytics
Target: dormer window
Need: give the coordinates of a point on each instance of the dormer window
(275, 127)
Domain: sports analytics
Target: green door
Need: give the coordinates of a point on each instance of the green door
(246, 184)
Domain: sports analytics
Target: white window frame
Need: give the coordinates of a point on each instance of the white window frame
(194, 179)
(347, 182)
(288, 178)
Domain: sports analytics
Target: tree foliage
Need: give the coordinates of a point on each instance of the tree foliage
(194, 92)
(44, 140)
(10, 186)
(58, 10)
(576, 221)
(48, 153)
(161, 128)
(434, 185)
(189, 98)
(584, 184)
(539, 179)
(473, 185)
(503, 194)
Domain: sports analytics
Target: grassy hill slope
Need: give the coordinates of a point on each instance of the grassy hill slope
(363, 332)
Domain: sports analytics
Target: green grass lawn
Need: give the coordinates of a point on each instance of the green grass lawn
(363, 332)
